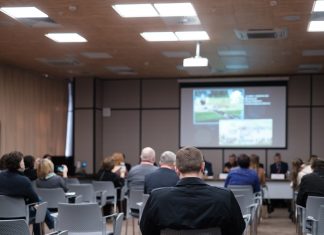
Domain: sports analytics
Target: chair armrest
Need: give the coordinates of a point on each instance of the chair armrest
(64, 232)
(301, 214)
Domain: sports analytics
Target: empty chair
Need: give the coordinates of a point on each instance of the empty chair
(317, 227)
(53, 196)
(13, 207)
(84, 218)
(208, 231)
(14, 227)
(313, 204)
(109, 189)
(134, 197)
(117, 223)
(85, 190)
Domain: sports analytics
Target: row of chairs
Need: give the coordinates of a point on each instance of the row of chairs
(310, 219)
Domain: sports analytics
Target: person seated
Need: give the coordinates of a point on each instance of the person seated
(30, 170)
(14, 183)
(208, 171)
(296, 167)
(312, 184)
(256, 166)
(306, 168)
(242, 175)
(47, 178)
(165, 176)
(119, 164)
(135, 177)
(230, 164)
(106, 174)
(191, 204)
(279, 166)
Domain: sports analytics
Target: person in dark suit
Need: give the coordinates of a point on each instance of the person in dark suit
(165, 176)
(14, 183)
(191, 204)
(312, 184)
(278, 167)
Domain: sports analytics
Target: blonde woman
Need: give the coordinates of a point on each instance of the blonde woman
(255, 165)
(47, 178)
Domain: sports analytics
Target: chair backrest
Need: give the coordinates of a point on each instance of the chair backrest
(41, 212)
(118, 223)
(208, 231)
(14, 227)
(312, 206)
(53, 196)
(84, 217)
(142, 205)
(244, 191)
(13, 207)
(134, 197)
(320, 226)
(85, 190)
(72, 181)
(243, 203)
(107, 186)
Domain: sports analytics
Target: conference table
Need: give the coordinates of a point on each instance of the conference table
(275, 189)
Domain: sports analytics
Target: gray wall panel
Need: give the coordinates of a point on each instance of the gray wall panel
(318, 90)
(299, 90)
(318, 132)
(84, 93)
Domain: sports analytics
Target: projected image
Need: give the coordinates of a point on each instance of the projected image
(248, 132)
(212, 105)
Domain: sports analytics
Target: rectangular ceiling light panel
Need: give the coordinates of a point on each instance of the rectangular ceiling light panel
(23, 12)
(66, 37)
(135, 10)
(318, 6)
(175, 9)
(315, 26)
(159, 36)
(192, 35)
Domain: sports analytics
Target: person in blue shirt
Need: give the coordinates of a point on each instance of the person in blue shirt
(242, 175)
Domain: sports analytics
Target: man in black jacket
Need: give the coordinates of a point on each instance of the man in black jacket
(312, 184)
(14, 183)
(191, 204)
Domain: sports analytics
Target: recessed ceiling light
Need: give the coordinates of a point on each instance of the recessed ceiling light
(231, 53)
(313, 52)
(96, 55)
(192, 35)
(237, 66)
(135, 10)
(318, 6)
(159, 36)
(315, 26)
(23, 12)
(66, 37)
(175, 9)
(197, 61)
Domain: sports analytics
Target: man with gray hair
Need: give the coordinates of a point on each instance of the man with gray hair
(135, 178)
(165, 176)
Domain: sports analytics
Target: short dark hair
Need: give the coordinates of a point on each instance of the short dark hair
(108, 163)
(13, 160)
(243, 161)
(29, 161)
(189, 159)
(318, 165)
(3, 161)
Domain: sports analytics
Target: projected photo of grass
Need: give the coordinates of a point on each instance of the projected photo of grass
(212, 105)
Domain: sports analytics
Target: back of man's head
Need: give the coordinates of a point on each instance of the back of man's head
(148, 155)
(12, 162)
(167, 158)
(318, 165)
(189, 159)
(243, 161)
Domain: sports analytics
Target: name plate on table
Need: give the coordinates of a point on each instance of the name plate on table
(222, 176)
(277, 176)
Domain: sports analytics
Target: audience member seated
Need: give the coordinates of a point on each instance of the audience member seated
(30, 170)
(14, 183)
(242, 175)
(306, 168)
(191, 204)
(208, 171)
(278, 167)
(312, 184)
(3, 162)
(135, 178)
(165, 176)
(255, 165)
(119, 165)
(47, 178)
(296, 167)
(230, 164)
(105, 173)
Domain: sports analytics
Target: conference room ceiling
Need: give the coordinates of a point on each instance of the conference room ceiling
(123, 52)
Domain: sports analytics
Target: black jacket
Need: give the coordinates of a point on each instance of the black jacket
(13, 183)
(282, 169)
(192, 204)
(311, 185)
(162, 177)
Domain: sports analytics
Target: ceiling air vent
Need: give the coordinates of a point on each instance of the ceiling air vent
(60, 62)
(277, 33)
